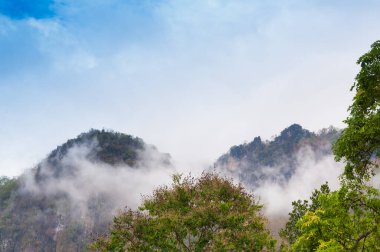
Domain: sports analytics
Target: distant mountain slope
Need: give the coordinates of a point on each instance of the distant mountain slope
(261, 161)
(72, 194)
(112, 147)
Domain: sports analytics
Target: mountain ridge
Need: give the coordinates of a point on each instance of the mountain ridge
(70, 195)
(251, 162)
(39, 210)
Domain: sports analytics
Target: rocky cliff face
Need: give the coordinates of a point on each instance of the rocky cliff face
(260, 161)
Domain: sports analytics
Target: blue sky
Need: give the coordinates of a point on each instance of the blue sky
(192, 77)
(19, 9)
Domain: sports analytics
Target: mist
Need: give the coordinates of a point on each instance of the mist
(311, 172)
(86, 188)
(86, 182)
(123, 186)
(293, 177)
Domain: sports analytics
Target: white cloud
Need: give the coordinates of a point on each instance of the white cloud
(309, 175)
(83, 180)
(192, 77)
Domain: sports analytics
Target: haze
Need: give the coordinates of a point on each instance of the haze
(191, 77)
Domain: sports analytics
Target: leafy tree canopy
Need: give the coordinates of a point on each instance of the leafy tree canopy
(205, 214)
(347, 219)
(7, 187)
(360, 141)
(292, 231)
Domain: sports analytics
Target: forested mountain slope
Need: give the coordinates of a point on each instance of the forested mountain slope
(276, 160)
(72, 194)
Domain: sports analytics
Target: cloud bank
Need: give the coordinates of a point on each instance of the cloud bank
(192, 77)
(310, 173)
(85, 184)
(114, 187)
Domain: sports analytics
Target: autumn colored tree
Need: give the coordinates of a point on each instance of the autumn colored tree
(205, 214)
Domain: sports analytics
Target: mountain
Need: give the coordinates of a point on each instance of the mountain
(72, 194)
(261, 161)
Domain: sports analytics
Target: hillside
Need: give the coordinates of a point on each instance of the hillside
(71, 195)
(261, 161)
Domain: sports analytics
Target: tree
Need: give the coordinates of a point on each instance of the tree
(7, 187)
(348, 219)
(359, 143)
(292, 231)
(205, 214)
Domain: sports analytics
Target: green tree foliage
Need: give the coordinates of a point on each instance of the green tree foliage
(291, 232)
(7, 186)
(344, 220)
(205, 214)
(347, 219)
(359, 143)
(112, 147)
